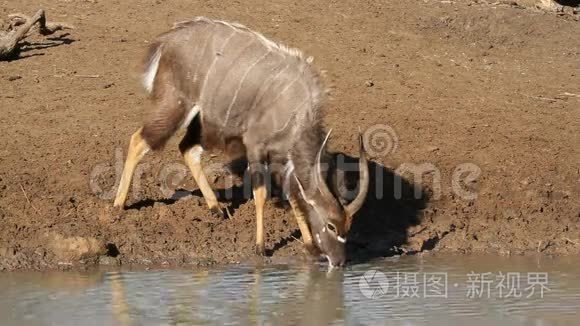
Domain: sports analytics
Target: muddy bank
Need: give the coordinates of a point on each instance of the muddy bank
(481, 101)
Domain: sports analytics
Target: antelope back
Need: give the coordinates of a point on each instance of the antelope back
(239, 79)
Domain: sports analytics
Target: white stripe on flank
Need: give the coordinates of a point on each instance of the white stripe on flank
(151, 72)
(216, 56)
(271, 45)
(240, 86)
(190, 115)
(286, 88)
(263, 90)
(292, 116)
(200, 54)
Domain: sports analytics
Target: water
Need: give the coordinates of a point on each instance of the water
(438, 290)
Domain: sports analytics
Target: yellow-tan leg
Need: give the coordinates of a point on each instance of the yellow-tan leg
(303, 225)
(192, 157)
(260, 194)
(137, 149)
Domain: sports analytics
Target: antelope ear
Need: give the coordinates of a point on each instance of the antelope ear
(348, 223)
(302, 192)
(339, 182)
(319, 177)
(364, 179)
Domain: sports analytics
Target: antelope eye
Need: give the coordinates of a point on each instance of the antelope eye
(331, 227)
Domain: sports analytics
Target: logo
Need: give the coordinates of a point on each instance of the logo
(373, 284)
(380, 140)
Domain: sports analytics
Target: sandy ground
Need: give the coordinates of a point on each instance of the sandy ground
(484, 98)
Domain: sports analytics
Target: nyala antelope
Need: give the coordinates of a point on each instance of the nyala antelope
(232, 89)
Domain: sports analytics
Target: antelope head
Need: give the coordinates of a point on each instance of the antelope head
(329, 220)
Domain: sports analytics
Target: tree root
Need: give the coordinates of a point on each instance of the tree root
(18, 29)
(570, 7)
(550, 5)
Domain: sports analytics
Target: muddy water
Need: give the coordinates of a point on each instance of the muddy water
(396, 291)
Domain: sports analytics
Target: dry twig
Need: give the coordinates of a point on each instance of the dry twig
(88, 76)
(28, 200)
(295, 238)
(18, 28)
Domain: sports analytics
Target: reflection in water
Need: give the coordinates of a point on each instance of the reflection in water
(119, 304)
(293, 295)
(254, 302)
(315, 297)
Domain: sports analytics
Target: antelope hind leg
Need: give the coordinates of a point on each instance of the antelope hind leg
(137, 149)
(192, 157)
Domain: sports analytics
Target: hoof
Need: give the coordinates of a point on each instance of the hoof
(260, 250)
(217, 212)
(118, 205)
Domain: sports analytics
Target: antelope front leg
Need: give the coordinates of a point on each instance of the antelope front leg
(137, 149)
(303, 225)
(192, 157)
(258, 176)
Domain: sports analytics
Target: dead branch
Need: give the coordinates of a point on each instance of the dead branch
(18, 28)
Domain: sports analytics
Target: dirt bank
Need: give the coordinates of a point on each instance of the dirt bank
(485, 97)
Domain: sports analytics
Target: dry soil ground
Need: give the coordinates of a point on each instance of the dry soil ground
(490, 89)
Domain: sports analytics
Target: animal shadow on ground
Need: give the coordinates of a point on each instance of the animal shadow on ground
(571, 3)
(25, 46)
(231, 197)
(379, 229)
(393, 204)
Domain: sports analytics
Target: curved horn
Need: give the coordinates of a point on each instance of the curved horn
(364, 178)
(320, 180)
